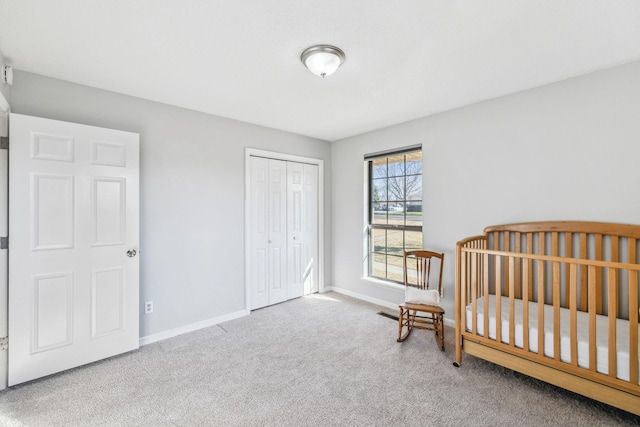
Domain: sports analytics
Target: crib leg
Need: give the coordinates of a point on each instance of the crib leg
(458, 360)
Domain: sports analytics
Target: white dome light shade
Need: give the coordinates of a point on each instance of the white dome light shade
(322, 60)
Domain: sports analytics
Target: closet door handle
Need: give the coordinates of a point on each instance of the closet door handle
(131, 253)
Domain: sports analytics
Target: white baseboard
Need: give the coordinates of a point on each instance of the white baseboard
(191, 327)
(376, 301)
(364, 297)
(149, 339)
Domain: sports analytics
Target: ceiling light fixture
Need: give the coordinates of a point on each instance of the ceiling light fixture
(322, 60)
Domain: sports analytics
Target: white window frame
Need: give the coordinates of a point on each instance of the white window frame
(370, 226)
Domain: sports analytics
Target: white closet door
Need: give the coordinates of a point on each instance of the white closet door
(277, 230)
(283, 253)
(73, 273)
(295, 206)
(268, 255)
(309, 235)
(259, 239)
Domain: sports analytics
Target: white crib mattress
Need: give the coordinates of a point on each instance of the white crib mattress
(602, 327)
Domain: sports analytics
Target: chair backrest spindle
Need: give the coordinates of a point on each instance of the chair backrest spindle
(423, 260)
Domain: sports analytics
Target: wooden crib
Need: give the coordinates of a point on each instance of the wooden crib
(559, 302)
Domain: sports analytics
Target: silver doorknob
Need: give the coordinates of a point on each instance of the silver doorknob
(131, 253)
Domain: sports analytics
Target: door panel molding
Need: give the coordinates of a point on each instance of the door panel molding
(52, 216)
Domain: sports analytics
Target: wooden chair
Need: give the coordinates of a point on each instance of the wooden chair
(419, 298)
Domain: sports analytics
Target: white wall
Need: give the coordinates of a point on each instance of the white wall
(566, 151)
(192, 193)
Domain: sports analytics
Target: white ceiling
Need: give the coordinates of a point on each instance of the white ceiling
(240, 59)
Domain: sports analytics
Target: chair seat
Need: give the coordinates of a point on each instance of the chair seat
(422, 307)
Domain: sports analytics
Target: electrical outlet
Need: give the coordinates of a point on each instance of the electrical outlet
(148, 307)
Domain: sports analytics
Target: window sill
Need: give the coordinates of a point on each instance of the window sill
(383, 283)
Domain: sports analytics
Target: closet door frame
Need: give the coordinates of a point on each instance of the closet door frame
(249, 152)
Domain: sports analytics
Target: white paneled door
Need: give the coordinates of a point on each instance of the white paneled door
(73, 227)
(295, 242)
(269, 232)
(283, 230)
(309, 267)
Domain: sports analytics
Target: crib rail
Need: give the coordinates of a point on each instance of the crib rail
(571, 239)
(508, 264)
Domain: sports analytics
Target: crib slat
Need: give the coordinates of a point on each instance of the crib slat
(469, 275)
(615, 257)
(554, 282)
(540, 307)
(512, 307)
(633, 315)
(583, 272)
(612, 314)
(592, 318)
(474, 281)
(507, 248)
(573, 297)
(498, 270)
(568, 252)
(556, 310)
(486, 296)
(517, 278)
(463, 290)
(526, 292)
(529, 262)
(599, 275)
(612, 310)
(479, 275)
(541, 293)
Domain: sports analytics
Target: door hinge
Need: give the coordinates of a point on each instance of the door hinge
(4, 243)
(4, 142)
(4, 343)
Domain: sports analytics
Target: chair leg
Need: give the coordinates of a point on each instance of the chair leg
(439, 328)
(404, 322)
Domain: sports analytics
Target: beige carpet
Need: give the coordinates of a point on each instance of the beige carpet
(323, 360)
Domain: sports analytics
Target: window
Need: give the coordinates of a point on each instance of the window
(395, 211)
